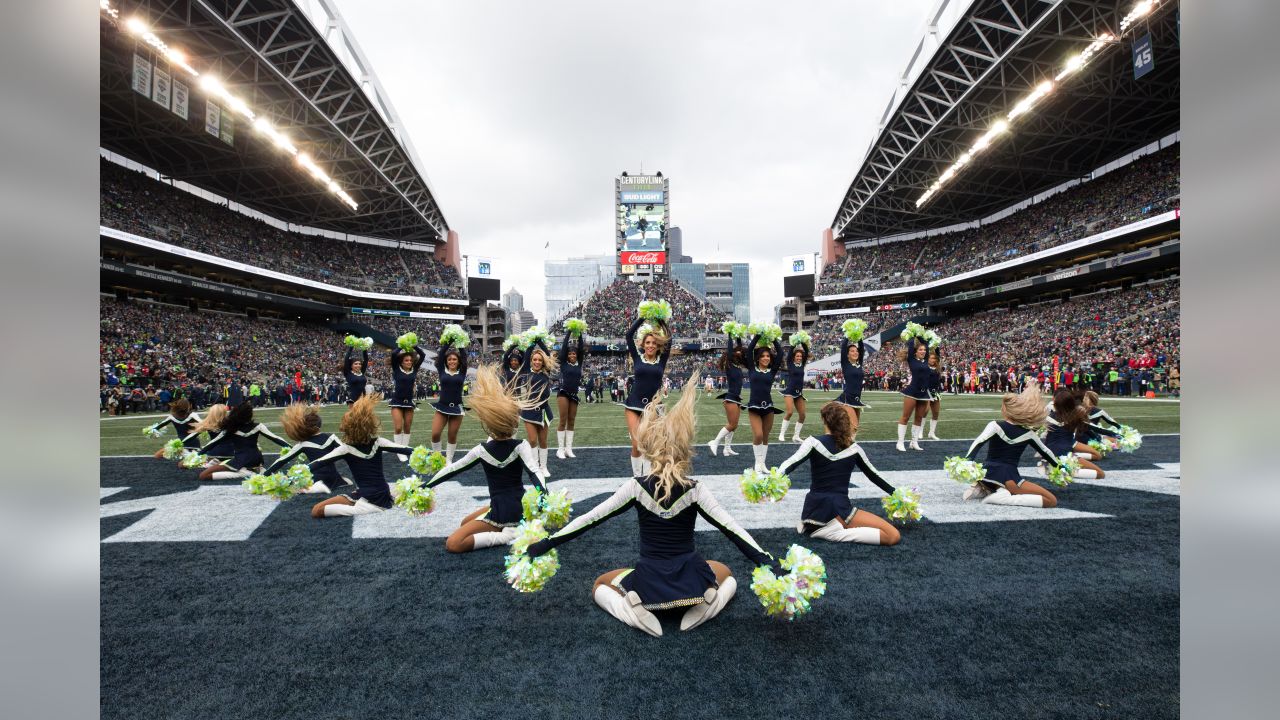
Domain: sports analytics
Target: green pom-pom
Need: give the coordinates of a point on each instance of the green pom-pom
(407, 342)
(575, 326)
(912, 330)
(413, 497)
(153, 432)
(733, 329)
(903, 505)
(192, 460)
(1130, 439)
(800, 338)
(363, 343)
(454, 336)
(1099, 446)
(931, 339)
(300, 475)
(552, 509)
(767, 332)
(524, 573)
(854, 329)
(964, 470)
(276, 485)
(173, 449)
(531, 503)
(790, 596)
(769, 486)
(426, 461)
(510, 342)
(654, 310)
(1065, 472)
(255, 484)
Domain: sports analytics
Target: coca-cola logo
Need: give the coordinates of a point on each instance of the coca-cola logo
(650, 257)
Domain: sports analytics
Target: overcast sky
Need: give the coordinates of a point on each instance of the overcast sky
(523, 113)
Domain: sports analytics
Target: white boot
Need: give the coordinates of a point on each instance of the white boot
(448, 452)
(902, 433)
(1004, 497)
(760, 452)
(933, 429)
(782, 436)
(637, 466)
(542, 461)
(716, 442)
(361, 507)
(715, 600)
(318, 487)
(1087, 474)
(493, 539)
(568, 443)
(646, 467)
(835, 531)
(627, 609)
(728, 444)
(917, 431)
(560, 444)
(231, 475)
(401, 439)
(796, 435)
(435, 446)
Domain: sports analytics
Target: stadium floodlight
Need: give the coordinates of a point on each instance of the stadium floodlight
(1138, 12)
(135, 25)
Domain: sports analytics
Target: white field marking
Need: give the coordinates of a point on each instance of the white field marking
(1167, 480)
(208, 513)
(109, 491)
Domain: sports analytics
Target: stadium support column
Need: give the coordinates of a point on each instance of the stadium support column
(449, 252)
(831, 250)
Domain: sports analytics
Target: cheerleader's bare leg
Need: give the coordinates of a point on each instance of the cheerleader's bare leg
(1084, 452)
(623, 605)
(732, 412)
(397, 421)
(917, 429)
(452, 424)
(477, 534)
(715, 598)
(438, 422)
(407, 414)
(1022, 494)
(855, 417)
(789, 404)
(1089, 471)
(474, 515)
(633, 430)
(222, 472)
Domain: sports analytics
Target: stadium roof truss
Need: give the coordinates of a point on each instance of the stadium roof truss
(274, 58)
(997, 52)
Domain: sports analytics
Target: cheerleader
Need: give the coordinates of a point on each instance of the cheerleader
(1005, 440)
(649, 364)
(670, 573)
(935, 393)
(1097, 415)
(240, 427)
(512, 359)
(1067, 421)
(503, 458)
(451, 367)
(572, 360)
(362, 450)
(760, 409)
(180, 408)
(833, 457)
(850, 398)
(302, 424)
(353, 371)
(404, 379)
(535, 378)
(733, 364)
(915, 395)
(218, 448)
(793, 390)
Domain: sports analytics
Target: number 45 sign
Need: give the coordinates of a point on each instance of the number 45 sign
(1144, 61)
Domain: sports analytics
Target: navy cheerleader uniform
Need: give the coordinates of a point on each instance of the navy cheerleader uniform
(794, 387)
(1098, 416)
(539, 385)
(733, 375)
(830, 468)
(935, 384)
(219, 446)
(1005, 443)
(403, 383)
(372, 491)
(851, 393)
(451, 382)
(570, 373)
(509, 375)
(760, 400)
(313, 448)
(244, 445)
(356, 383)
(182, 428)
(503, 461)
(647, 380)
(918, 387)
(1089, 432)
(670, 573)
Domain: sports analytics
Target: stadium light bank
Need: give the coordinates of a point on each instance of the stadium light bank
(137, 27)
(1028, 102)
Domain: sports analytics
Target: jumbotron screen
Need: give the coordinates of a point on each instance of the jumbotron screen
(798, 286)
(642, 213)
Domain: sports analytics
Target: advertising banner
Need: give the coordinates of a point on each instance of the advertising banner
(141, 76)
(643, 257)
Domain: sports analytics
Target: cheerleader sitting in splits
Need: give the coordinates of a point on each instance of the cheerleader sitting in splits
(183, 419)
(851, 394)
(572, 360)
(353, 372)
(1005, 440)
(734, 365)
(1068, 420)
(243, 432)
(362, 450)
(833, 457)
(404, 377)
(649, 364)
(535, 379)
(451, 367)
(935, 393)
(670, 573)
(915, 396)
(793, 391)
(302, 424)
(760, 407)
(219, 446)
(503, 458)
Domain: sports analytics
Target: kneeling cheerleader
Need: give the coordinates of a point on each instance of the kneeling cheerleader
(734, 365)
(670, 573)
(302, 424)
(219, 445)
(243, 431)
(1067, 422)
(183, 419)
(503, 458)
(362, 450)
(828, 514)
(1005, 440)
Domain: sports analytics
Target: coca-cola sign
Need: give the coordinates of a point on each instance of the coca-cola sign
(643, 257)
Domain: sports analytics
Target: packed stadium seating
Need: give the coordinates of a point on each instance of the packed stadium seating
(612, 308)
(136, 203)
(1146, 186)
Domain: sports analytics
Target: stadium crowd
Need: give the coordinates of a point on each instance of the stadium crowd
(1149, 185)
(612, 308)
(134, 202)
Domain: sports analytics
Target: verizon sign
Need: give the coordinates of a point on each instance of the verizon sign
(643, 257)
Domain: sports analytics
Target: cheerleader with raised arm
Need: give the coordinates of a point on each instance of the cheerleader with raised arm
(734, 366)
(451, 368)
(404, 379)
(302, 424)
(828, 514)
(765, 365)
(362, 450)
(915, 395)
(512, 359)
(353, 370)
(1068, 421)
(184, 420)
(572, 359)
(504, 459)
(793, 390)
(935, 392)
(649, 364)
(1005, 440)
(850, 399)
(243, 431)
(670, 573)
(535, 378)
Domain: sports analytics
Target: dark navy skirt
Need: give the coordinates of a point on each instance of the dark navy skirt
(444, 408)
(570, 396)
(540, 415)
(735, 399)
(243, 460)
(853, 403)
(664, 583)
(504, 511)
(821, 508)
(764, 409)
(376, 496)
(999, 473)
(402, 401)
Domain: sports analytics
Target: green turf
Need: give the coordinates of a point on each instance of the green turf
(963, 417)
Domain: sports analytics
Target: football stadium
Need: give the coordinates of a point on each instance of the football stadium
(919, 458)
